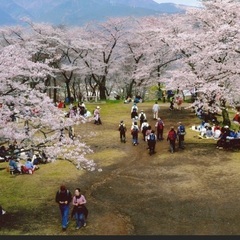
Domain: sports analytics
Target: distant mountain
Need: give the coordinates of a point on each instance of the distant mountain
(79, 12)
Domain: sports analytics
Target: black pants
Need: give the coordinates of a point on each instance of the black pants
(180, 141)
(160, 134)
(122, 136)
(98, 121)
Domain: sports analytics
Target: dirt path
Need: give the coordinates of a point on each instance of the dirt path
(194, 191)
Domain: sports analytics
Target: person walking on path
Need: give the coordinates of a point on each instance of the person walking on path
(63, 198)
(155, 110)
(142, 116)
(181, 133)
(151, 140)
(80, 211)
(134, 112)
(144, 128)
(122, 131)
(134, 133)
(171, 107)
(159, 126)
(172, 136)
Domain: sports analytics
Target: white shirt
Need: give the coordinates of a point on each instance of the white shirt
(156, 107)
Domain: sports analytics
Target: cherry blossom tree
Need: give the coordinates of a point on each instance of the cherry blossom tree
(207, 41)
(28, 116)
(101, 55)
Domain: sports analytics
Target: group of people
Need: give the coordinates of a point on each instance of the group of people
(206, 130)
(226, 133)
(175, 102)
(220, 134)
(78, 110)
(16, 167)
(176, 135)
(209, 128)
(202, 111)
(140, 125)
(64, 199)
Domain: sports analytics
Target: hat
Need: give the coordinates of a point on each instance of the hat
(98, 107)
(121, 121)
(141, 110)
(226, 126)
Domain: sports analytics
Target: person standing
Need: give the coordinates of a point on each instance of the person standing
(181, 133)
(63, 198)
(171, 107)
(79, 209)
(96, 115)
(172, 136)
(155, 109)
(122, 131)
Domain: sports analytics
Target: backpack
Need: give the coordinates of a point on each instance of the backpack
(144, 129)
(152, 137)
(134, 130)
(134, 109)
(182, 130)
(172, 135)
(160, 125)
(121, 128)
(142, 117)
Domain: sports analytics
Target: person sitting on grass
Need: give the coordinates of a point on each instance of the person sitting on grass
(13, 166)
(30, 167)
(209, 132)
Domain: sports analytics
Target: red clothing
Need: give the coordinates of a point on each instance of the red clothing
(60, 105)
(236, 118)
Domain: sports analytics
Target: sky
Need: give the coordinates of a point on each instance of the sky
(184, 2)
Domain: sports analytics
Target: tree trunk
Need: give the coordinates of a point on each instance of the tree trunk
(68, 89)
(102, 91)
(54, 90)
(225, 115)
(226, 120)
(130, 88)
(102, 88)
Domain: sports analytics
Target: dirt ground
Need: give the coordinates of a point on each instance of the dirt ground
(194, 191)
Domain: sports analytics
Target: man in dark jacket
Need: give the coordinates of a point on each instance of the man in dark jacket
(63, 198)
